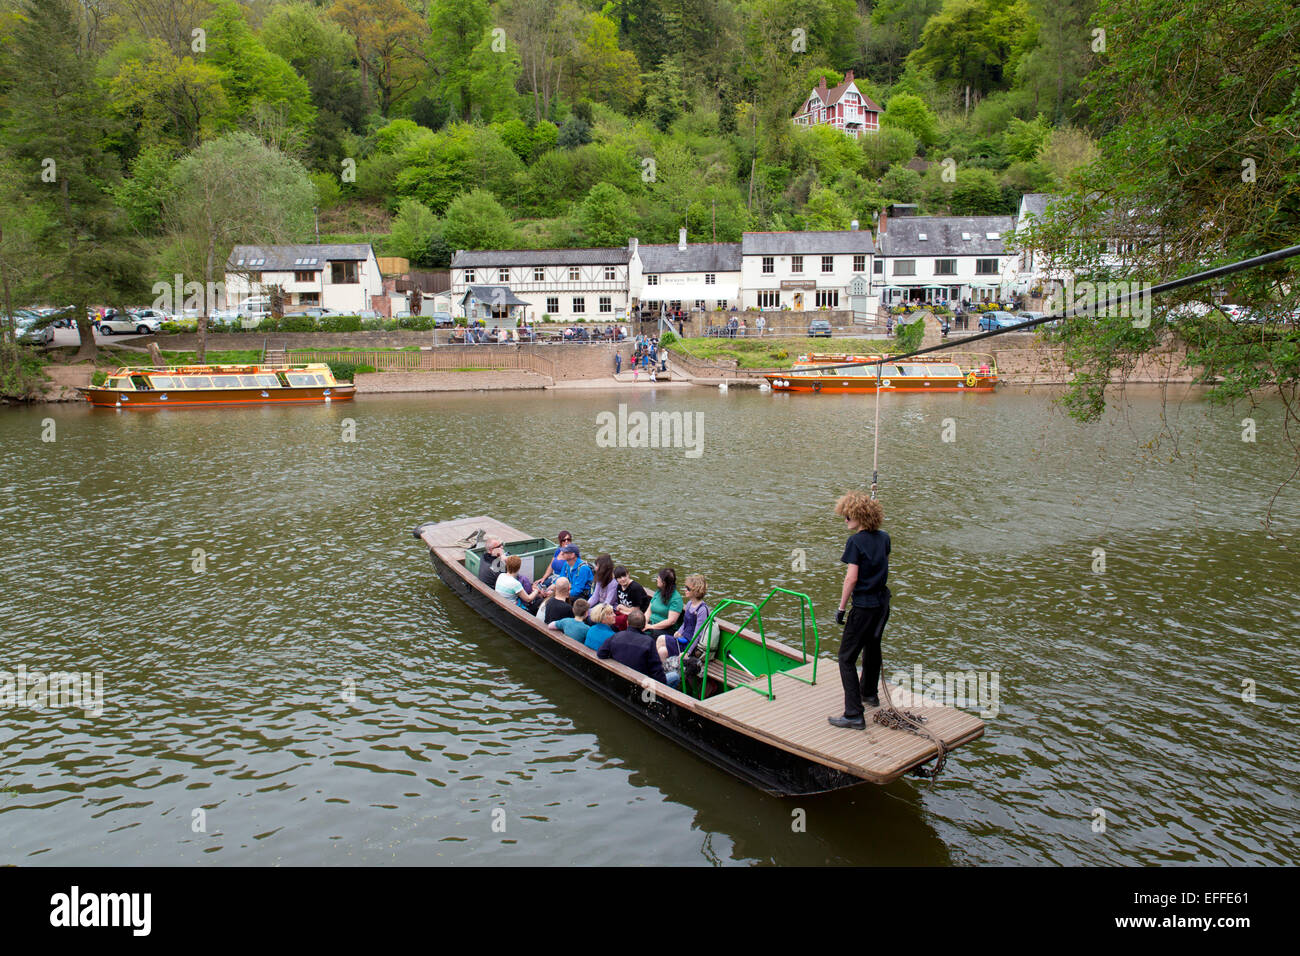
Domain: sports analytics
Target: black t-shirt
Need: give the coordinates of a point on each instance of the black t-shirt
(633, 596)
(869, 550)
(556, 609)
(487, 573)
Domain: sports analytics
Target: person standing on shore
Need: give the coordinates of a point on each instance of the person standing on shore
(867, 555)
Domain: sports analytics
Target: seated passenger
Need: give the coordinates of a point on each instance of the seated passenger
(508, 585)
(492, 563)
(665, 605)
(630, 593)
(634, 648)
(604, 589)
(557, 562)
(694, 614)
(578, 573)
(558, 606)
(575, 627)
(602, 626)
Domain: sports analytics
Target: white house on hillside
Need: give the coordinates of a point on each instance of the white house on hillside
(339, 277)
(844, 107)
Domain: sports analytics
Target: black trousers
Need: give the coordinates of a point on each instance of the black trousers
(862, 633)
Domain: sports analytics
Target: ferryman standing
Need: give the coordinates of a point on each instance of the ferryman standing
(867, 599)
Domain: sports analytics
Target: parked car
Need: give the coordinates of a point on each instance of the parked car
(317, 312)
(368, 314)
(990, 321)
(127, 323)
(443, 320)
(29, 331)
(819, 328)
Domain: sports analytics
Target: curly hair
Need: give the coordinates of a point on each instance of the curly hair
(861, 507)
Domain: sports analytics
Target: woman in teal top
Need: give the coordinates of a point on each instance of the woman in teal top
(665, 606)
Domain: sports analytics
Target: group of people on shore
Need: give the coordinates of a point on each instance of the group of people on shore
(602, 606)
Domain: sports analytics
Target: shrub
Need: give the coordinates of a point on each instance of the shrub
(172, 327)
(667, 339)
(371, 325)
(364, 369)
(99, 378)
(343, 371)
(416, 323)
(909, 335)
(339, 323)
(297, 323)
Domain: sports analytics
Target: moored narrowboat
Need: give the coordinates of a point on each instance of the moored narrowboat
(965, 372)
(183, 386)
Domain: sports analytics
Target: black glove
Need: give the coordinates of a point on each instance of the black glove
(839, 616)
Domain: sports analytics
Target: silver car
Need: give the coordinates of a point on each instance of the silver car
(127, 323)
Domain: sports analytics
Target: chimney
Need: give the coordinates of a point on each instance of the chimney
(821, 89)
(681, 239)
(880, 223)
(631, 244)
(848, 77)
(853, 226)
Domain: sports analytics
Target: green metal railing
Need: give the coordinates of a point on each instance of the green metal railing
(806, 616)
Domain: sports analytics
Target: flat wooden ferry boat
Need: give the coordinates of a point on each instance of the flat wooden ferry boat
(761, 712)
(823, 372)
(183, 386)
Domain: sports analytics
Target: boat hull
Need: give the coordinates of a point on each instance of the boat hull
(867, 385)
(199, 398)
(771, 769)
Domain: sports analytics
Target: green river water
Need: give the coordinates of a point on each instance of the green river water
(286, 681)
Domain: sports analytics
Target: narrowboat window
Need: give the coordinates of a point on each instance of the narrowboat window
(299, 380)
(225, 381)
(120, 383)
(267, 381)
(949, 370)
(162, 381)
(248, 381)
(199, 381)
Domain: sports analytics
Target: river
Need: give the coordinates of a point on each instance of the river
(286, 681)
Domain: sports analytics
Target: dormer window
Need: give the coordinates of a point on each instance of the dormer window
(966, 236)
(990, 235)
(923, 237)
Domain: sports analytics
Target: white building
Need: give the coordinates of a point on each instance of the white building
(804, 270)
(944, 259)
(686, 277)
(569, 285)
(339, 277)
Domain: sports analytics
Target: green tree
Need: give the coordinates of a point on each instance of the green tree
(606, 216)
(456, 28)
(54, 124)
(890, 146)
(232, 190)
(414, 229)
(825, 210)
(976, 193)
(901, 184)
(908, 111)
(976, 45)
(1024, 140)
(436, 167)
(142, 195)
(390, 40)
(256, 82)
(478, 221)
(171, 101)
(1196, 167)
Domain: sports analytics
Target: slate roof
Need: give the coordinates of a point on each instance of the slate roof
(487, 294)
(1035, 204)
(902, 236)
(295, 258)
(488, 258)
(700, 257)
(833, 242)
